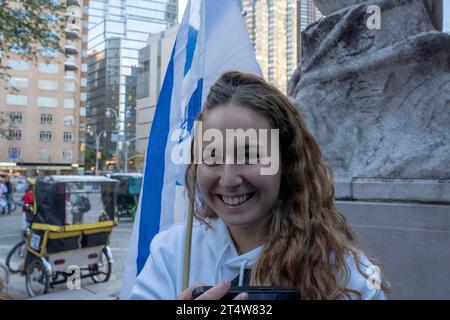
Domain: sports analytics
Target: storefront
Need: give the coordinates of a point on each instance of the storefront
(40, 169)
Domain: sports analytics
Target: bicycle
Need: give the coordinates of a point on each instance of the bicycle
(15, 257)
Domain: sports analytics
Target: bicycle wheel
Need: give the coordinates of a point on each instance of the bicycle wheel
(37, 279)
(101, 271)
(16, 257)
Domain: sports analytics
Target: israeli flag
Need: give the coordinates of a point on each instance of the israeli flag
(212, 39)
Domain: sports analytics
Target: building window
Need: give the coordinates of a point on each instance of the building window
(18, 82)
(67, 154)
(46, 136)
(15, 117)
(70, 74)
(45, 154)
(13, 154)
(50, 68)
(15, 134)
(47, 102)
(46, 118)
(48, 85)
(17, 100)
(18, 65)
(69, 103)
(69, 120)
(70, 87)
(49, 52)
(68, 137)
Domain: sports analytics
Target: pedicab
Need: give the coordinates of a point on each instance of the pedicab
(69, 236)
(128, 195)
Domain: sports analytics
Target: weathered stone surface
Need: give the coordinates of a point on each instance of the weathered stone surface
(378, 101)
(410, 240)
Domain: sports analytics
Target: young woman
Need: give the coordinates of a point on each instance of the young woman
(282, 228)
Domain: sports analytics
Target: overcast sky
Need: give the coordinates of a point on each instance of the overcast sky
(181, 6)
(446, 15)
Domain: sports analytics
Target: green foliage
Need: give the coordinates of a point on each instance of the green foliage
(26, 26)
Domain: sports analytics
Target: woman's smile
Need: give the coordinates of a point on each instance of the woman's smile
(235, 200)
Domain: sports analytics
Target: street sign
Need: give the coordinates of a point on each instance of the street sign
(114, 137)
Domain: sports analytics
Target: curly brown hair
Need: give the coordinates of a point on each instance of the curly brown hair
(307, 240)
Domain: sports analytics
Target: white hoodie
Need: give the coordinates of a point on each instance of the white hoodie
(213, 258)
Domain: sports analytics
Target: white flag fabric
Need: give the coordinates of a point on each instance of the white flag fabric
(212, 39)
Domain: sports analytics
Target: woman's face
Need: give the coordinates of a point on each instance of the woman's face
(238, 193)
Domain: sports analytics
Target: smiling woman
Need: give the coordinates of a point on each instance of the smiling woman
(238, 193)
(271, 230)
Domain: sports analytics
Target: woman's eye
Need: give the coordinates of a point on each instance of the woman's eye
(210, 158)
(251, 157)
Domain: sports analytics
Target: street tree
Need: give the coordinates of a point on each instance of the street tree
(26, 28)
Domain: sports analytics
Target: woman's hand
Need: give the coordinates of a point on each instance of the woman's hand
(215, 293)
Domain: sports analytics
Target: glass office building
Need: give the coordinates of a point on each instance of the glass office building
(307, 13)
(117, 30)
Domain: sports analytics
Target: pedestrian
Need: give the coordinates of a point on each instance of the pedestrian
(9, 193)
(27, 207)
(282, 227)
(3, 199)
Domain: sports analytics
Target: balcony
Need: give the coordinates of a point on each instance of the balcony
(73, 3)
(72, 32)
(70, 64)
(70, 75)
(71, 47)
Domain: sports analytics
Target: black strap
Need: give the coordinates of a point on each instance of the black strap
(246, 282)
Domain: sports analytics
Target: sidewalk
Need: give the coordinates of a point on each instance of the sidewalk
(93, 291)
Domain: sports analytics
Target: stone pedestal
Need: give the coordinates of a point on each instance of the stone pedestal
(411, 240)
(378, 101)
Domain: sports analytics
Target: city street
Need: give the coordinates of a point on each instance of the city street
(10, 234)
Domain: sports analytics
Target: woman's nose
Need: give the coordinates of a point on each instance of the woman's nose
(230, 176)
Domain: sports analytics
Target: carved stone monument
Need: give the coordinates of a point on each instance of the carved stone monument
(378, 102)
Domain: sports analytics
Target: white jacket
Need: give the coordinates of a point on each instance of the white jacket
(213, 258)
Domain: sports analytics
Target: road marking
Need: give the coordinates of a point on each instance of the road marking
(8, 235)
(122, 230)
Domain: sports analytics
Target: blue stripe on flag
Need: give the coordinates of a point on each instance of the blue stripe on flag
(195, 105)
(154, 169)
(190, 48)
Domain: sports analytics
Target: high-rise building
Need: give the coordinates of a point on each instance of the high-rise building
(117, 30)
(153, 61)
(272, 27)
(47, 111)
(307, 13)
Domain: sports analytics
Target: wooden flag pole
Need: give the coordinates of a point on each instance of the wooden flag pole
(187, 247)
